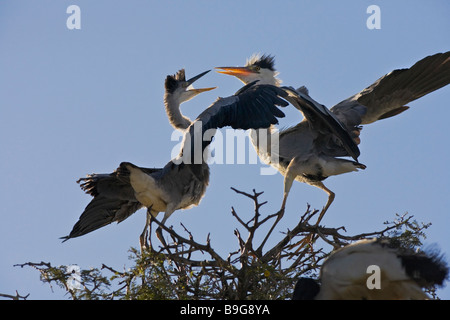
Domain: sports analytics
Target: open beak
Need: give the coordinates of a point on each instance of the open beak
(193, 79)
(234, 71)
(202, 89)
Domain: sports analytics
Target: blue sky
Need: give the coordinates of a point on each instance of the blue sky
(74, 102)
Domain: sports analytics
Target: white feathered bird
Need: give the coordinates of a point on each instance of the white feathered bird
(349, 274)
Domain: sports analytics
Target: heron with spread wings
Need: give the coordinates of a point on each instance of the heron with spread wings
(182, 182)
(312, 150)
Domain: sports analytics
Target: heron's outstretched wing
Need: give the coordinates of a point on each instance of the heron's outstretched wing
(252, 107)
(100, 212)
(389, 95)
(321, 119)
(113, 201)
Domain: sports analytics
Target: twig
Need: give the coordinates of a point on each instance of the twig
(16, 297)
(200, 247)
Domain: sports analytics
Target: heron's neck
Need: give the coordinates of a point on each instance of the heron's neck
(269, 77)
(275, 81)
(176, 118)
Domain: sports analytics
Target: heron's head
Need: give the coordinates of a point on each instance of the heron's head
(181, 89)
(257, 68)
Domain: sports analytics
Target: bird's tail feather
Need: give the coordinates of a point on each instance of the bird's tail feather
(114, 200)
(427, 269)
(100, 212)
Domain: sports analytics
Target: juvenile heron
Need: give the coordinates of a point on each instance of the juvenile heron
(182, 183)
(310, 151)
(372, 270)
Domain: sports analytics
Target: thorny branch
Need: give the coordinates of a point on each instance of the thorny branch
(187, 268)
(288, 257)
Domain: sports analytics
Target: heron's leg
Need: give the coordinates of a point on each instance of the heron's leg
(310, 239)
(331, 196)
(169, 210)
(289, 178)
(146, 233)
(143, 237)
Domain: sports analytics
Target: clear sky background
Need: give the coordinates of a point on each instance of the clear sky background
(74, 102)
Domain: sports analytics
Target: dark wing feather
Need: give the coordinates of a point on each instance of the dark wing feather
(114, 200)
(100, 212)
(322, 120)
(252, 107)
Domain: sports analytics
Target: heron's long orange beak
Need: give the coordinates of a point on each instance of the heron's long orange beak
(234, 71)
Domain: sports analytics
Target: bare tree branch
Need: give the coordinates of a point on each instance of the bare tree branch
(16, 297)
(184, 268)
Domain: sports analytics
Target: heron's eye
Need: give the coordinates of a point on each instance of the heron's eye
(256, 68)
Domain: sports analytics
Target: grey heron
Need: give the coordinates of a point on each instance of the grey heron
(311, 151)
(182, 182)
(374, 269)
